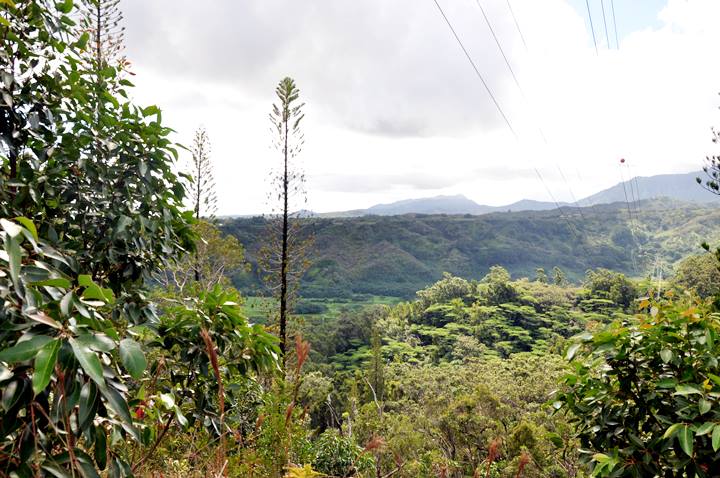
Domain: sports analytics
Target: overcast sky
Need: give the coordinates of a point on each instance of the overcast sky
(395, 111)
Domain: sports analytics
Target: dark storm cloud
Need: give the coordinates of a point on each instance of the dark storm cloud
(380, 66)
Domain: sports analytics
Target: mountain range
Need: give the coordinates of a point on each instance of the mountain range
(397, 255)
(680, 187)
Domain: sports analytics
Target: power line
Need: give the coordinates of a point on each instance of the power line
(607, 38)
(637, 188)
(517, 25)
(477, 72)
(522, 37)
(571, 227)
(634, 224)
(592, 28)
(497, 42)
(658, 275)
(634, 185)
(630, 221)
(612, 8)
(572, 195)
(634, 194)
(522, 93)
(627, 202)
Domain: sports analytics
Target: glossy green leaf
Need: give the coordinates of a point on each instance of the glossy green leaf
(14, 253)
(66, 6)
(150, 110)
(672, 430)
(100, 448)
(167, 400)
(45, 365)
(555, 439)
(43, 318)
(87, 466)
(705, 428)
(704, 406)
(89, 361)
(182, 421)
(93, 291)
(12, 392)
(29, 225)
(685, 438)
(81, 43)
(687, 390)
(88, 404)
(13, 230)
(666, 355)
(96, 341)
(66, 303)
(24, 350)
(132, 357)
(57, 282)
(55, 470)
(117, 403)
(716, 438)
(572, 350)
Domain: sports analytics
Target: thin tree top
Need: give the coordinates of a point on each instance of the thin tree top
(287, 92)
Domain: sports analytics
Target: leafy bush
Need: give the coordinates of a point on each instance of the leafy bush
(444, 290)
(610, 285)
(644, 392)
(89, 179)
(338, 455)
(699, 273)
(57, 334)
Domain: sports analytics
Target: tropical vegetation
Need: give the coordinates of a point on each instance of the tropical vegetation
(126, 349)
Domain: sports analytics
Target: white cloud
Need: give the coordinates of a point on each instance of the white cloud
(394, 109)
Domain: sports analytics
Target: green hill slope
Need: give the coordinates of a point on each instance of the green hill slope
(397, 255)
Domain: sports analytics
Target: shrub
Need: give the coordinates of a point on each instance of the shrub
(644, 392)
(338, 455)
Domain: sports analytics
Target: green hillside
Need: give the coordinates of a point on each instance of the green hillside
(397, 255)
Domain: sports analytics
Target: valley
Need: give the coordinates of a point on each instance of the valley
(398, 255)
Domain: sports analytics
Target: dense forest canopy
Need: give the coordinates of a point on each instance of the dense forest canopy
(398, 255)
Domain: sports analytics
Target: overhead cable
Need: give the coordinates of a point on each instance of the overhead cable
(592, 28)
(571, 227)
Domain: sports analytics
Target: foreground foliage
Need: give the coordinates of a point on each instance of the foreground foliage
(97, 379)
(644, 392)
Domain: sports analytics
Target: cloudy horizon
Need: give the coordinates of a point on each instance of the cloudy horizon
(395, 111)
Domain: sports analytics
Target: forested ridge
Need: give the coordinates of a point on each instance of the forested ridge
(399, 255)
(566, 343)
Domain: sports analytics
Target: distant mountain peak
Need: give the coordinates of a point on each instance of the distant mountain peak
(681, 187)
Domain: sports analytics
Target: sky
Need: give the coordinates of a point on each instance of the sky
(394, 109)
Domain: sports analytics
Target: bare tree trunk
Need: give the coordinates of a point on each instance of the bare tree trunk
(197, 216)
(284, 257)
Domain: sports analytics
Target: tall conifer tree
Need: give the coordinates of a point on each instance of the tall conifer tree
(202, 189)
(284, 257)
